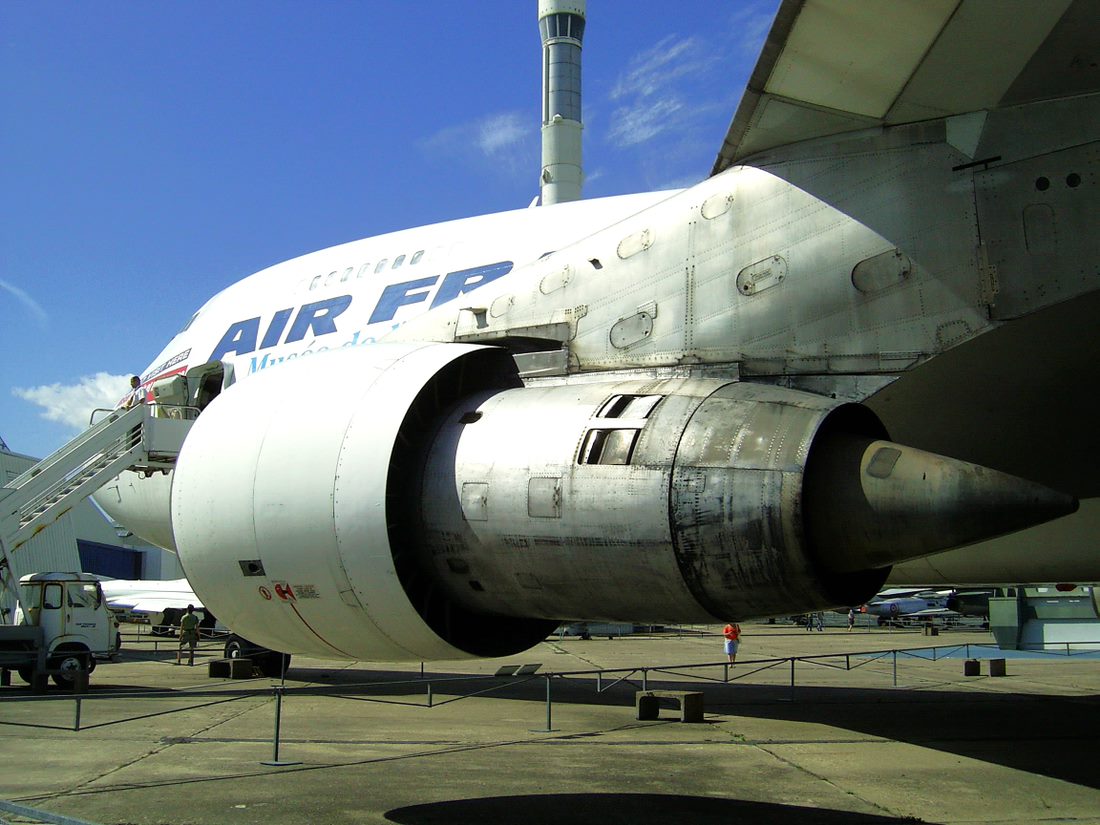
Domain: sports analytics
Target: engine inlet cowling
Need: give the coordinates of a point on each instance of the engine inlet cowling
(280, 499)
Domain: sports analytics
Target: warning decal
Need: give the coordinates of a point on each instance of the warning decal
(284, 591)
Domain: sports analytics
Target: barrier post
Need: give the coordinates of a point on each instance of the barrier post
(645, 679)
(275, 762)
(549, 726)
(895, 668)
(429, 694)
(792, 678)
(76, 720)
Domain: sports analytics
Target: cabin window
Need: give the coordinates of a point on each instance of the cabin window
(381, 265)
(51, 596)
(416, 257)
(400, 259)
(187, 326)
(316, 282)
(347, 273)
(364, 270)
(29, 595)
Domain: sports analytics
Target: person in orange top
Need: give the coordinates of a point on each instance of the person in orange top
(732, 632)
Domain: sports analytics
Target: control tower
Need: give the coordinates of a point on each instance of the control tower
(561, 24)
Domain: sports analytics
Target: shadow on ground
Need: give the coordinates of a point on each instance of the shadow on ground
(625, 809)
(1016, 730)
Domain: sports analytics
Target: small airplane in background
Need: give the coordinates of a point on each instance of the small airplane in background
(162, 602)
(912, 606)
(898, 603)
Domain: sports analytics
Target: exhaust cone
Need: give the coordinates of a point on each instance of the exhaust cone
(872, 503)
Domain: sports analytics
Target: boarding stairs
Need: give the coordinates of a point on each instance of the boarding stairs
(146, 438)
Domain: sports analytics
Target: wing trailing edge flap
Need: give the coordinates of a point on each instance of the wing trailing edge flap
(834, 66)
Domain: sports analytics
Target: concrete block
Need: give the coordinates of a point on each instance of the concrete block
(689, 702)
(972, 667)
(996, 667)
(230, 669)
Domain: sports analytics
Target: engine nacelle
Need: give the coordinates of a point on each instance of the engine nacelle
(645, 500)
(418, 502)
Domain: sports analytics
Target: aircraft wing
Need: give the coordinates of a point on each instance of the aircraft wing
(933, 611)
(151, 603)
(828, 67)
(900, 592)
(149, 596)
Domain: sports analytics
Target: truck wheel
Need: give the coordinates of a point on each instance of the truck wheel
(69, 662)
(270, 662)
(234, 649)
(26, 674)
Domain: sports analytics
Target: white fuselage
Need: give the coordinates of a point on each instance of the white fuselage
(358, 292)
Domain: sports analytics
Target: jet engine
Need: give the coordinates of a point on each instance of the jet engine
(420, 502)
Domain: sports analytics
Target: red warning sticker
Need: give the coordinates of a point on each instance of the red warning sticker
(284, 591)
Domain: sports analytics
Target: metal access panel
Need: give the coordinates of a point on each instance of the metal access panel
(1005, 621)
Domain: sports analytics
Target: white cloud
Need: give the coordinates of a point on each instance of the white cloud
(659, 92)
(656, 69)
(644, 121)
(27, 301)
(499, 133)
(72, 404)
(504, 139)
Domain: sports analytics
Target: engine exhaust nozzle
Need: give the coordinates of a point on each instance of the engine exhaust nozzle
(872, 503)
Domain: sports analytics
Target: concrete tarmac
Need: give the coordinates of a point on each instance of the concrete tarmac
(163, 744)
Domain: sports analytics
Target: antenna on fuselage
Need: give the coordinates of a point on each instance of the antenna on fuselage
(561, 24)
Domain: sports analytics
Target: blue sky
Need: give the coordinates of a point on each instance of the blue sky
(152, 153)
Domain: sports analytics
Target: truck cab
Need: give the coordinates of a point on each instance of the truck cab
(74, 625)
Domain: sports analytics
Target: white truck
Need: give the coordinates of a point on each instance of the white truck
(62, 629)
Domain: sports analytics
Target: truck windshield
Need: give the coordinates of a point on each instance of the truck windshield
(84, 595)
